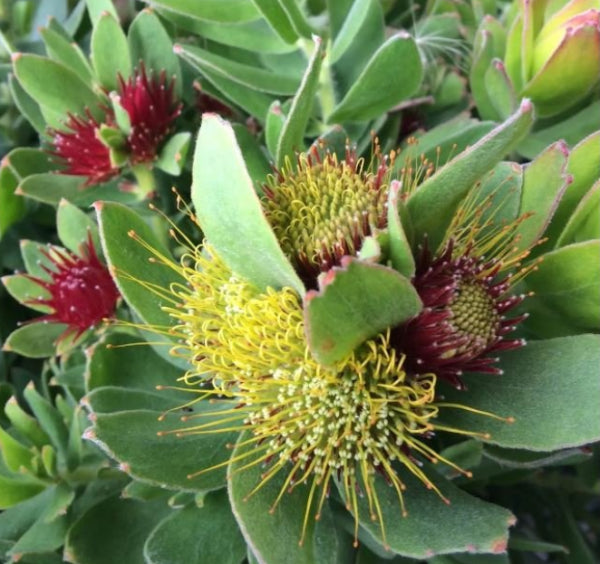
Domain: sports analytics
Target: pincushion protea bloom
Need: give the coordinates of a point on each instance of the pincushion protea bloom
(80, 290)
(323, 208)
(362, 417)
(151, 108)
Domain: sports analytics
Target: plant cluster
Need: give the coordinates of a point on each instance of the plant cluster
(305, 281)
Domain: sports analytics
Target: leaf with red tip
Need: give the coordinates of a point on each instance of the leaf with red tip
(355, 303)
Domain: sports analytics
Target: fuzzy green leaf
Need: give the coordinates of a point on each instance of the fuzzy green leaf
(278, 19)
(400, 252)
(354, 303)
(114, 531)
(291, 138)
(54, 86)
(433, 204)
(131, 438)
(432, 526)
(584, 223)
(128, 258)
(222, 11)
(216, 538)
(35, 340)
(251, 77)
(393, 74)
(229, 210)
(97, 8)
(66, 52)
(74, 227)
(172, 155)
(110, 52)
(12, 206)
(544, 182)
(566, 281)
(500, 89)
(149, 42)
(51, 188)
(273, 535)
(546, 418)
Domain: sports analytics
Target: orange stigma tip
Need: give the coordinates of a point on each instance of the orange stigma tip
(469, 474)
(300, 542)
(184, 418)
(161, 417)
(487, 436)
(271, 510)
(160, 387)
(131, 233)
(151, 206)
(318, 517)
(510, 419)
(355, 544)
(160, 433)
(405, 513)
(179, 435)
(110, 346)
(190, 476)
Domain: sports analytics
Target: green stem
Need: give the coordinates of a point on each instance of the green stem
(146, 183)
(326, 90)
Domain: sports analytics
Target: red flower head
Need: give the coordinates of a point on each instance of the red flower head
(150, 105)
(82, 292)
(463, 319)
(80, 150)
(149, 101)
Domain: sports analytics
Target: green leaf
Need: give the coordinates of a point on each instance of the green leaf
(297, 18)
(440, 144)
(529, 545)
(255, 103)
(572, 130)
(291, 138)
(110, 51)
(273, 535)
(432, 526)
(222, 11)
(216, 538)
(50, 420)
(12, 206)
(131, 438)
(66, 52)
(96, 9)
(229, 210)
(54, 86)
(41, 537)
(28, 427)
(75, 227)
(393, 74)
(25, 161)
(517, 458)
(14, 522)
(500, 89)
(544, 182)
(273, 126)
(16, 490)
(14, 454)
(254, 156)
(28, 107)
(483, 52)
(51, 188)
(546, 418)
(355, 303)
(278, 19)
(352, 24)
(252, 77)
(149, 42)
(115, 362)
(433, 204)
(400, 252)
(256, 36)
(114, 531)
(174, 152)
(584, 167)
(584, 223)
(566, 281)
(130, 262)
(35, 340)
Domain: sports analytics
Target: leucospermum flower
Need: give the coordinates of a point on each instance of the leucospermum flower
(370, 414)
(79, 290)
(149, 102)
(322, 208)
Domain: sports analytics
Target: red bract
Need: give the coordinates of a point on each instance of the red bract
(81, 151)
(82, 292)
(150, 104)
(463, 318)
